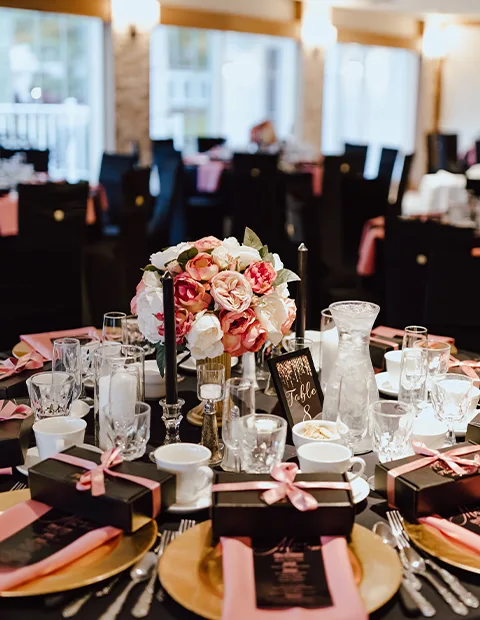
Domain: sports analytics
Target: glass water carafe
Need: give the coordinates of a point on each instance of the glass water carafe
(351, 386)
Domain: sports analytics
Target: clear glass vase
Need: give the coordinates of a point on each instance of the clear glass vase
(351, 386)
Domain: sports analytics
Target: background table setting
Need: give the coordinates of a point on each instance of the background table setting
(190, 460)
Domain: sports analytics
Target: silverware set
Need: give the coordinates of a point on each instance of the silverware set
(416, 565)
(144, 570)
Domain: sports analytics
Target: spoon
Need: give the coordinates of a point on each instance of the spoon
(383, 530)
(417, 565)
(141, 571)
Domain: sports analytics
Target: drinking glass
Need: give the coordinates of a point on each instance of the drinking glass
(391, 424)
(412, 334)
(128, 427)
(451, 396)
(262, 442)
(86, 353)
(239, 402)
(296, 344)
(66, 357)
(262, 366)
(438, 358)
(328, 346)
(133, 335)
(413, 378)
(210, 384)
(114, 327)
(50, 393)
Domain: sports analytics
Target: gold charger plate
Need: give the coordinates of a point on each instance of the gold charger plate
(443, 549)
(110, 559)
(21, 349)
(191, 571)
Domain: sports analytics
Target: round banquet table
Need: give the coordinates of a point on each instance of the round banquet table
(368, 512)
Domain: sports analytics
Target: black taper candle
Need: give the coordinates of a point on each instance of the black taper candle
(301, 321)
(170, 340)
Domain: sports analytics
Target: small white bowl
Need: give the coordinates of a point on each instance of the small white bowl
(429, 431)
(299, 438)
(154, 382)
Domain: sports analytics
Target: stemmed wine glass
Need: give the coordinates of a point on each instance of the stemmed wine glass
(66, 357)
(114, 327)
(239, 401)
(413, 334)
(413, 378)
(451, 396)
(437, 359)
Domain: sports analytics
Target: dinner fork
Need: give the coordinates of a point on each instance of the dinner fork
(18, 486)
(185, 524)
(455, 585)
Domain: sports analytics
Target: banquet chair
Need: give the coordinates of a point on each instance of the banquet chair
(204, 143)
(355, 157)
(113, 166)
(52, 213)
(442, 152)
(386, 166)
(257, 199)
(403, 185)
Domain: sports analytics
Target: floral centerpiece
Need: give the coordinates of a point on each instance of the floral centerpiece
(229, 297)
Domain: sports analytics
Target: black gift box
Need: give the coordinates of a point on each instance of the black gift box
(378, 348)
(14, 438)
(244, 513)
(473, 430)
(432, 489)
(16, 385)
(126, 504)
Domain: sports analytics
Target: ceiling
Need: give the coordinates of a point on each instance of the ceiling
(465, 8)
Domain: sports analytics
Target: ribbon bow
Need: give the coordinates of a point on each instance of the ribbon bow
(285, 474)
(94, 479)
(31, 361)
(467, 366)
(462, 467)
(11, 411)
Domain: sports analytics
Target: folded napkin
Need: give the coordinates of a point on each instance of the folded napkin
(43, 343)
(6, 471)
(239, 601)
(453, 532)
(12, 366)
(16, 518)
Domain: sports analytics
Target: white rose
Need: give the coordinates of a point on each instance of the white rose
(150, 303)
(160, 259)
(151, 279)
(221, 257)
(283, 291)
(272, 312)
(277, 262)
(243, 253)
(205, 337)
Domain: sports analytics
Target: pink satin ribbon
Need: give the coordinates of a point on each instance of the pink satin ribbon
(453, 532)
(11, 411)
(30, 361)
(467, 367)
(460, 466)
(94, 478)
(283, 485)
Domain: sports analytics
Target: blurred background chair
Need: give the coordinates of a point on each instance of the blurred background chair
(204, 144)
(442, 152)
(112, 169)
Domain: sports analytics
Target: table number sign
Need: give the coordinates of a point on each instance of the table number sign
(297, 385)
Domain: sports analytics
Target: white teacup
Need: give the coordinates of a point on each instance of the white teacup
(393, 360)
(323, 458)
(429, 431)
(189, 461)
(56, 434)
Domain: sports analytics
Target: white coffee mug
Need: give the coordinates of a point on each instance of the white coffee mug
(393, 361)
(189, 461)
(326, 458)
(56, 434)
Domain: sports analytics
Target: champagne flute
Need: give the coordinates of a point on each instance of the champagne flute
(239, 401)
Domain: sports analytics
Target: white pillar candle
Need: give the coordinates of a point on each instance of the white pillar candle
(120, 392)
(329, 350)
(211, 391)
(249, 369)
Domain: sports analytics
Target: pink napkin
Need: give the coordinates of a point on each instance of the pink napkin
(453, 532)
(8, 216)
(30, 361)
(22, 515)
(43, 343)
(366, 253)
(6, 471)
(208, 176)
(239, 585)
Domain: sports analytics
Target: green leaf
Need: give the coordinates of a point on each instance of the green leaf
(284, 276)
(187, 255)
(151, 268)
(263, 251)
(268, 258)
(252, 240)
(160, 357)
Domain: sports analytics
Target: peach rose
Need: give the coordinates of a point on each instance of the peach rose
(292, 313)
(261, 276)
(191, 294)
(255, 338)
(207, 243)
(234, 326)
(183, 323)
(231, 291)
(201, 267)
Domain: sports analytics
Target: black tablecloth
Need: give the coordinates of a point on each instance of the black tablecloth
(369, 511)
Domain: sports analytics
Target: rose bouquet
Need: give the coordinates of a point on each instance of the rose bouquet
(229, 297)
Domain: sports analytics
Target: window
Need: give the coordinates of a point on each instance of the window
(370, 97)
(208, 82)
(51, 92)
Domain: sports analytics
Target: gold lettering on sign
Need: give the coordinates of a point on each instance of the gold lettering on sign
(294, 374)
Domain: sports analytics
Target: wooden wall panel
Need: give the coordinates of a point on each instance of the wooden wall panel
(92, 8)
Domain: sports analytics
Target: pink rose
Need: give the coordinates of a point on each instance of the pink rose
(231, 291)
(261, 276)
(207, 243)
(191, 294)
(133, 303)
(255, 338)
(183, 323)
(235, 325)
(292, 313)
(201, 267)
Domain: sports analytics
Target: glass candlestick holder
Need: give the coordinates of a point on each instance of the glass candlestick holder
(172, 416)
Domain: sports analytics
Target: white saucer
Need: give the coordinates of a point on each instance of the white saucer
(360, 490)
(191, 364)
(205, 501)
(79, 409)
(32, 457)
(385, 384)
